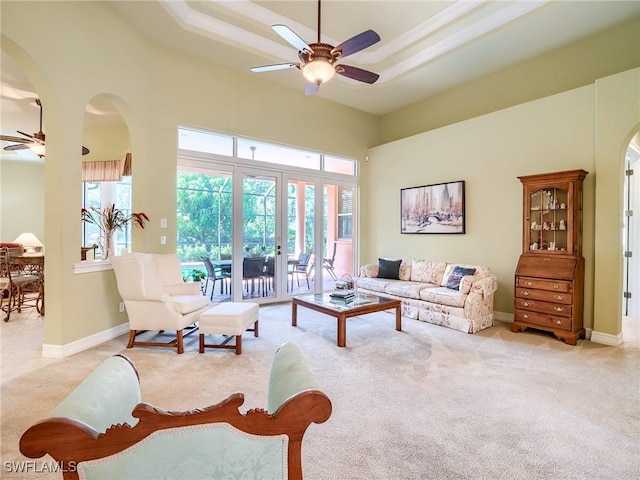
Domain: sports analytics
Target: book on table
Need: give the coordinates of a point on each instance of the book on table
(344, 294)
(341, 301)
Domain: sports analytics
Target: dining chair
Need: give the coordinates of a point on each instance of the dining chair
(14, 283)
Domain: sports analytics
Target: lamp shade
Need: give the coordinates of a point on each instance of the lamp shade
(30, 243)
(318, 71)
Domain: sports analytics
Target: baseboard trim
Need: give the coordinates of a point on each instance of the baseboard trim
(606, 338)
(77, 346)
(503, 317)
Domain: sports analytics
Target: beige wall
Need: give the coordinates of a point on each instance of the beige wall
(21, 200)
(154, 90)
(577, 64)
(588, 128)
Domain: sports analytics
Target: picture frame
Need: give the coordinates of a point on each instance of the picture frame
(437, 208)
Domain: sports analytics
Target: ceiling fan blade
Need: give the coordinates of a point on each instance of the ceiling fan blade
(312, 88)
(25, 134)
(357, 43)
(357, 73)
(291, 37)
(10, 138)
(85, 150)
(19, 146)
(269, 68)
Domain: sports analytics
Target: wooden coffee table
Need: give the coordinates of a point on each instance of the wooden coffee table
(361, 305)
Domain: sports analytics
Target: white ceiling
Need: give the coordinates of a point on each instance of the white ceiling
(426, 46)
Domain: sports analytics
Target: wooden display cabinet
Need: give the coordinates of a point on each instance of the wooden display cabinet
(549, 278)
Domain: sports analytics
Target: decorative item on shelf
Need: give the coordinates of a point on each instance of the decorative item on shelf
(534, 226)
(563, 225)
(545, 226)
(553, 225)
(109, 220)
(563, 206)
(534, 246)
(552, 245)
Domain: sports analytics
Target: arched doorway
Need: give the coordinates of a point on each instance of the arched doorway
(631, 231)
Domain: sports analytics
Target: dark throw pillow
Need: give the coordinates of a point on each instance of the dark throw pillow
(389, 269)
(456, 276)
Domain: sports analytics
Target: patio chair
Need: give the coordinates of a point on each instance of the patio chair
(252, 270)
(302, 268)
(269, 272)
(327, 263)
(214, 274)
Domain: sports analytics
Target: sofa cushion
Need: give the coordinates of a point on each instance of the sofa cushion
(427, 272)
(465, 283)
(407, 289)
(405, 270)
(443, 296)
(389, 268)
(372, 284)
(454, 279)
(371, 270)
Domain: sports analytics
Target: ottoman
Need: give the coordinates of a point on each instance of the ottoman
(231, 320)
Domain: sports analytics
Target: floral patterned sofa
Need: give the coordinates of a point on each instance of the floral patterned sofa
(452, 295)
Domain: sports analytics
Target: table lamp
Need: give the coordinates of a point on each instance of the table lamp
(30, 244)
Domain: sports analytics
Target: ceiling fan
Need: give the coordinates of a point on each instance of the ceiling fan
(35, 142)
(318, 59)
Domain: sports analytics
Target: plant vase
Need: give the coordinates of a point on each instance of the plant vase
(108, 247)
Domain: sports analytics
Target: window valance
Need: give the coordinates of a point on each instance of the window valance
(106, 170)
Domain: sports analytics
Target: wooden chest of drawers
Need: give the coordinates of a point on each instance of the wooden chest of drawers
(549, 295)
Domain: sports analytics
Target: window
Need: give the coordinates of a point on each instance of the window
(243, 148)
(345, 213)
(99, 195)
(339, 165)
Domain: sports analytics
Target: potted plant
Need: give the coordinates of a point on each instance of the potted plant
(108, 220)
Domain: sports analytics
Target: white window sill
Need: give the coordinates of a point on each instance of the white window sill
(92, 266)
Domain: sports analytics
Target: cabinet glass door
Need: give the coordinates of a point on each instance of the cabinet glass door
(548, 219)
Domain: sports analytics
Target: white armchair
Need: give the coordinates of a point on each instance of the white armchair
(156, 297)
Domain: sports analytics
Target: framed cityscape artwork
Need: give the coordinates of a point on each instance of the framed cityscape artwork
(437, 208)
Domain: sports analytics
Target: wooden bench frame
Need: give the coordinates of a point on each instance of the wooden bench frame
(70, 442)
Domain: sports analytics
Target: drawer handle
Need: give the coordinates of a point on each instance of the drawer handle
(559, 297)
(526, 293)
(530, 284)
(556, 286)
(559, 309)
(524, 315)
(525, 304)
(559, 322)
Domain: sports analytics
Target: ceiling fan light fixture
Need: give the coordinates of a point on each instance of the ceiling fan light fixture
(37, 148)
(319, 71)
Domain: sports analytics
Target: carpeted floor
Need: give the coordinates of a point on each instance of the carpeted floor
(424, 403)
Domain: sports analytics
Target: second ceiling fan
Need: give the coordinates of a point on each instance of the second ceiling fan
(318, 60)
(35, 142)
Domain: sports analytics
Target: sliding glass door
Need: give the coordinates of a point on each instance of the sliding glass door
(262, 222)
